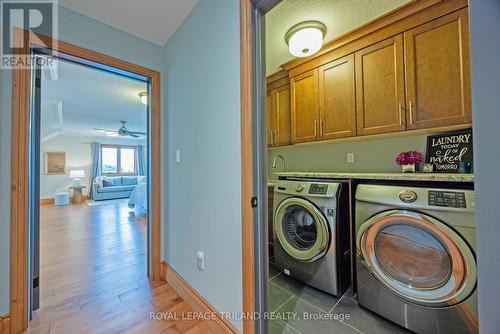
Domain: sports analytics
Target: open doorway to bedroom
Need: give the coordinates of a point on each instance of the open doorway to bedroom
(90, 145)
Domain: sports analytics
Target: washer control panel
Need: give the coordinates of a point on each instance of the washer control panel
(453, 199)
(318, 189)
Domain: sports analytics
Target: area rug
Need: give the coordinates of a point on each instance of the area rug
(91, 202)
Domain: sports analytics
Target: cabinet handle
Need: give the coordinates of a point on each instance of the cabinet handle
(276, 137)
(411, 113)
(315, 128)
(272, 143)
(321, 130)
(400, 113)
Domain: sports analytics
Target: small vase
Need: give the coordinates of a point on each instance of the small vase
(408, 168)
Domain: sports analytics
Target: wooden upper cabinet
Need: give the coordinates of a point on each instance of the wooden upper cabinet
(337, 104)
(269, 119)
(278, 109)
(304, 106)
(438, 72)
(281, 102)
(380, 87)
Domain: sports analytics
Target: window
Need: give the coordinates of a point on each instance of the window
(118, 160)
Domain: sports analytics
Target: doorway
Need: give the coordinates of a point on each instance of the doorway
(89, 180)
(20, 203)
(304, 85)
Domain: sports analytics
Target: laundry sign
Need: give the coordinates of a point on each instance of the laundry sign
(446, 150)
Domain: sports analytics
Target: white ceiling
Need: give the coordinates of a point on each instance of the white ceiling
(339, 16)
(152, 20)
(82, 98)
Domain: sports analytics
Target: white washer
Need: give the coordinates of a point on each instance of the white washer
(311, 233)
(415, 262)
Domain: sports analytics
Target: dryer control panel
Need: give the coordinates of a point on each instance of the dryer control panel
(453, 199)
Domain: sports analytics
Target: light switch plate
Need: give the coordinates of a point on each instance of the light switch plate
(178, 156)
(200, 261)
(350, 158)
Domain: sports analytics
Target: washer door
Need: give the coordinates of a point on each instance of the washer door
(302, 229)
(418, 258)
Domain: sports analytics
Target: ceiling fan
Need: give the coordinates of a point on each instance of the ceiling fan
(122, 131)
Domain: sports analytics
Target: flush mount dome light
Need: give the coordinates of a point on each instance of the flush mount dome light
(305, 38)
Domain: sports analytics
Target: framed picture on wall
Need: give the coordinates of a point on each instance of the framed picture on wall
(55, 163)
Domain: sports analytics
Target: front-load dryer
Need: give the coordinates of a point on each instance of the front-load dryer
(415, 257)
(311, 233)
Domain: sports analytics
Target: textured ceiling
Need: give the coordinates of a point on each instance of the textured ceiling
(153, 20)
(339, 16)
(81, 98)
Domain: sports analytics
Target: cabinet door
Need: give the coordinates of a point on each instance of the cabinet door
(438, 72)
(281, 98)
(337, 104)
(269, 119)
(380, 87)
(304, 99)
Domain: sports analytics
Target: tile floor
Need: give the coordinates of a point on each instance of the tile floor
(293, 302)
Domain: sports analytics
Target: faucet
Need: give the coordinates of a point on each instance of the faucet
(276, 160)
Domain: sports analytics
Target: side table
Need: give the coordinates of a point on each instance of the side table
(77, 197)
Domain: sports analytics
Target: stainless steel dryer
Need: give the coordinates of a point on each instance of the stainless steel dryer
(311, 233)
(415, 257)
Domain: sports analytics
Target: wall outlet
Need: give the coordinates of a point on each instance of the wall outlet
(350, 158)
(178, 155)
(200, 261)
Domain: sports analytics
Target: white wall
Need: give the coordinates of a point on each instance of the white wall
(485, 66)
(203, 121)
(78, 156)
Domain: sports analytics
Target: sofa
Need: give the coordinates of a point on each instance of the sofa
(114, 187)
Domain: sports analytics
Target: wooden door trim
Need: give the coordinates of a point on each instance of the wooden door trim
(19, 165)
(247, 212)
(461, 16)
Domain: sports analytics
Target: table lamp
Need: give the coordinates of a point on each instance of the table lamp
(76, 175)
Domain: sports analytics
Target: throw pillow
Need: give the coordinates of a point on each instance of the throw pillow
(107, 183)
(129, 180)
(115, 181)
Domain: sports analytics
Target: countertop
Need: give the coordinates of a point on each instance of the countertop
(442, 177)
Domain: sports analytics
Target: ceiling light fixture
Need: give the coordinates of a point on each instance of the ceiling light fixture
(144, 98)
(306, 38)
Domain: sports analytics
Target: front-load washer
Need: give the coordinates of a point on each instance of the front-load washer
(415, 257)
(311, 233)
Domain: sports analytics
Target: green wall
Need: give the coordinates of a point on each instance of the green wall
(203, 193)
(370, 155)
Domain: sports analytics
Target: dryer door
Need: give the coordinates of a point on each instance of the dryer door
(302, 229)
(417, 257)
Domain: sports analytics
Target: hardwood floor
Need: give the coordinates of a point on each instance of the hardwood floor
(93, 275)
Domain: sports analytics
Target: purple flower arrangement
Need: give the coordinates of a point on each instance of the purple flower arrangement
(409, 158)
